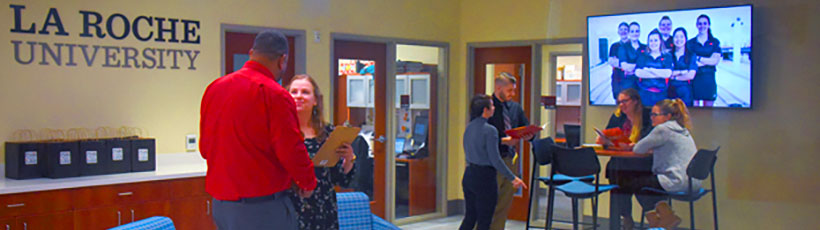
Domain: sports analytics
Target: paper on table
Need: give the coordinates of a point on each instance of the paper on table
(327, 157)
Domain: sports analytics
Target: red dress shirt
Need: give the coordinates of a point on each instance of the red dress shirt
(250, 137)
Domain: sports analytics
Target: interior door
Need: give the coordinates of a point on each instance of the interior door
(360, 92)
(516, 61)
(237, 45)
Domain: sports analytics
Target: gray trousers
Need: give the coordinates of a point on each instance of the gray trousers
(267, 212)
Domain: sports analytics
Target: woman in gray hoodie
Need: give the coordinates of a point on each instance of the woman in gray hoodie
(672, 146)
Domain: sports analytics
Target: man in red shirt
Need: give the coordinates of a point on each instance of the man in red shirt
(252, 143)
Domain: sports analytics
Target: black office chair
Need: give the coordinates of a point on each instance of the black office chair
(363, 180)
(578, 163)
(573, 135)
(701, 166)
(543, 150)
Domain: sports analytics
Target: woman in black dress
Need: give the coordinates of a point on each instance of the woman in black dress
(707, 49)
(319, 211)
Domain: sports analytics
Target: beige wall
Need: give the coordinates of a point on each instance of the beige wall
(166, 102)
(766, 171)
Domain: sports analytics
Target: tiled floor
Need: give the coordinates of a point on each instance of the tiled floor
(451, 223)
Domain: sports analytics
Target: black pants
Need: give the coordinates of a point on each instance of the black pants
(647, 199)
(480, 195)
(621, 171)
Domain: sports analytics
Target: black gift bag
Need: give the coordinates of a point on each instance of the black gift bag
(143, 154)
(62, 158)
(25, 160)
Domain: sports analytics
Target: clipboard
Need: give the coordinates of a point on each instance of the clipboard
(326, 157)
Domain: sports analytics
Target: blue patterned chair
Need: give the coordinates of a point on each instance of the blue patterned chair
(151, 223)
(354, 213)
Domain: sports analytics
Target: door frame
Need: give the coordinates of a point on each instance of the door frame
(441, 126)
(535, 70)
(299, 58)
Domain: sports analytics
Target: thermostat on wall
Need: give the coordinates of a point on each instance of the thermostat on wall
(190, 142)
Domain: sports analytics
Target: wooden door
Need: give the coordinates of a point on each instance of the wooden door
(100, 218)
(53, 221)
(376, 52)
(192, 213)
(504, 57)
(237, 46)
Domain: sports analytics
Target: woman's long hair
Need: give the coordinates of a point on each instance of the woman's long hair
(637, 111)
(686, 53)
(710, 24)
(317, 122)
(677, 109)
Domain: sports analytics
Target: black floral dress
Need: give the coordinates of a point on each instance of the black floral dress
(319, 211)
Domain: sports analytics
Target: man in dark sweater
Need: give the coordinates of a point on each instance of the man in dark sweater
(508, 115)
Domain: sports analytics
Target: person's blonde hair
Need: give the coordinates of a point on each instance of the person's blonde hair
(317, 122)
(677, 109)
(637, 111)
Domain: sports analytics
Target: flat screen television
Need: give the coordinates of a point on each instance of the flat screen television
(702, 56)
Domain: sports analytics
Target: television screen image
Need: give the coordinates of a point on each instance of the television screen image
(702, 56)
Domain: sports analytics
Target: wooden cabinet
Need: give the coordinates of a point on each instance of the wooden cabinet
(101, 207)
(98, 218)
(191, 206)
(192, 213)
(35, 202)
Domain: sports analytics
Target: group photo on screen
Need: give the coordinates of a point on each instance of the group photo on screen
(702, 56)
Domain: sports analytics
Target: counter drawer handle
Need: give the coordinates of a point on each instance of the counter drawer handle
(16, 205)
(125, 193)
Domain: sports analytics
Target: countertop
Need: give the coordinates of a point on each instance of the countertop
(169, 166)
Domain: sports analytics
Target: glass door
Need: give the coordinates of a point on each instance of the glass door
(415, 143)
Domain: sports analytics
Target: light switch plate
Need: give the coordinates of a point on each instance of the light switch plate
(190, 142)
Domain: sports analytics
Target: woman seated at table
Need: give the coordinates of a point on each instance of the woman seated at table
(672, 146)
(633, 119)
(319, 211)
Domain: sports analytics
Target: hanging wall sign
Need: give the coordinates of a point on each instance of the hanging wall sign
(148, 42)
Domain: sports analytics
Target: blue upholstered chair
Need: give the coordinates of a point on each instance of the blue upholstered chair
(150, 223)
(354, 213)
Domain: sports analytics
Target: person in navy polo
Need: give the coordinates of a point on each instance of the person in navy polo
(684, 69)
(628, 56)
(654, 67)
(707, 49)
(617, 72)
(665, 27)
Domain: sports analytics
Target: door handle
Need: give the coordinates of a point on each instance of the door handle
(132, 215)
(25, 226)
(119, 218)
(381, 139)
(125, 193)
(8, 227)
(208, 210)
(16, 205)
